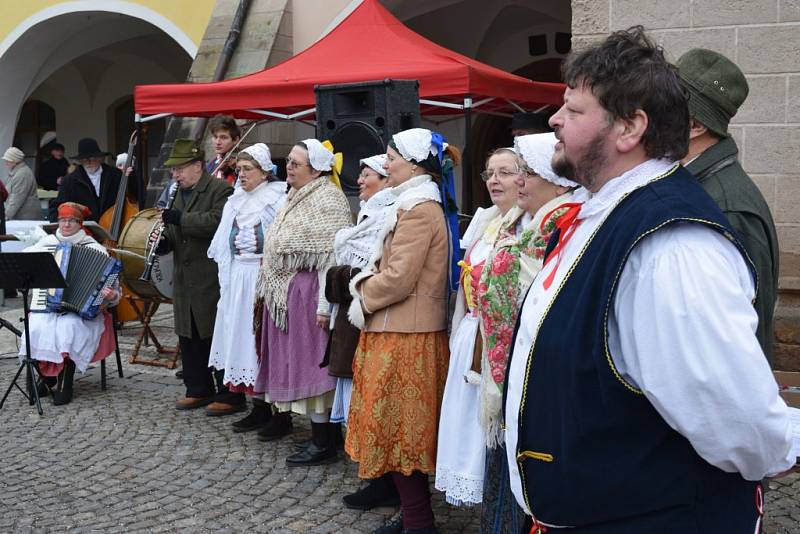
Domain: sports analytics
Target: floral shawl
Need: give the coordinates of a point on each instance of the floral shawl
(508, 272)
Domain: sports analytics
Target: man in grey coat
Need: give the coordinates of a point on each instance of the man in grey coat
(190, 225)
(23, 203)
(717, 87)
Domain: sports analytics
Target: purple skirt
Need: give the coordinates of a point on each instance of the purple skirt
(289, 368)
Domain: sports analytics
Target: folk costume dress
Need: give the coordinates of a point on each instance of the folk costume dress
(237, 247)
(400, 366)
(461, 449)
(353, 248)
(640, 362)
(298, 250)
(56, 336)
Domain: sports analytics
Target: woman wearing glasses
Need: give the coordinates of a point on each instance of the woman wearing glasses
(400, 302)
(508, 272)
(461, 452)
(62, 342)
(237, 248)
(293, 327)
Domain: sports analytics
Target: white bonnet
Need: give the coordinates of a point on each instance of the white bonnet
(260, 153)
(321, 158)
(414, 144)
(375, 163)
(537, 150)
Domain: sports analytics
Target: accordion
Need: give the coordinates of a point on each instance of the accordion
(87, 272)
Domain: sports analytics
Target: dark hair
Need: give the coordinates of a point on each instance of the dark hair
(321, 173)
(224, 122)
(628, 72)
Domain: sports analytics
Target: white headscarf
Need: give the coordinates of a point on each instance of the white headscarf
(414, 144)
(261, 154)
(375, 163)
(537, 150)
(321, 158)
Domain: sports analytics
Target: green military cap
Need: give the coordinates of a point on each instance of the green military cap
(184, 151)
(717, 87)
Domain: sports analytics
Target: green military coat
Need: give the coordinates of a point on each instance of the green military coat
(723, 178)
(195, 286)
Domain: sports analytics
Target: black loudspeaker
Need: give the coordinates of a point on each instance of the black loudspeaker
(360, 118)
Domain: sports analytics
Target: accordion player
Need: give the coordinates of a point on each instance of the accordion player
(70, 335)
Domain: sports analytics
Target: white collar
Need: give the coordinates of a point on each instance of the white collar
(376, 203)
(616, 188)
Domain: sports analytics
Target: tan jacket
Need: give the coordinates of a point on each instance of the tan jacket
(408, 292)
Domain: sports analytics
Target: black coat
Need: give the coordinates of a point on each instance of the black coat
(77, 187)
(50, 171)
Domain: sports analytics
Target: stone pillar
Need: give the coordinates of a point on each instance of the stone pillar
(762, 37)
(265, 40)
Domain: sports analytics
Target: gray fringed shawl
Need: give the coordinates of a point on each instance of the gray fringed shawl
(300, 238)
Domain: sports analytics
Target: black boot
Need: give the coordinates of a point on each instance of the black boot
(379, 492)
(279, 425)
(63, 392)
(258, 417)
(395, 526)
(44, 384)
(320, 451)
(424, 530)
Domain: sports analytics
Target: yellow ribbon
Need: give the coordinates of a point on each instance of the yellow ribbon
(466, 283)
(337, 166)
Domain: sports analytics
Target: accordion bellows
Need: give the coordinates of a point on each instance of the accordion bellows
(87, 272)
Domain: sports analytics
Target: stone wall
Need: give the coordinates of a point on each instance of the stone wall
(763, 38)
(265, 40)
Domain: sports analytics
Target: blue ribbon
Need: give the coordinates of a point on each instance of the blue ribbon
(448, 192)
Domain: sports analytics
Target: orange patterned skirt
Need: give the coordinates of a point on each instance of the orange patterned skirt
(398, 383)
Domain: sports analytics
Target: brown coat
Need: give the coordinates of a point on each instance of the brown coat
(408, 292)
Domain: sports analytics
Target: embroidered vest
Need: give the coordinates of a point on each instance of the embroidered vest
(592, 451)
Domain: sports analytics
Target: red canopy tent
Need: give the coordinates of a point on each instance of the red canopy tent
(369, 44)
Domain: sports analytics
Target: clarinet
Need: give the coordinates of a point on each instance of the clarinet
(147, 273)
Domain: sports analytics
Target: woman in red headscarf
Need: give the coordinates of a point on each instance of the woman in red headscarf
(60, 342)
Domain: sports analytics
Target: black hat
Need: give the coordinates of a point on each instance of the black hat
(88, 148)
(530, 121)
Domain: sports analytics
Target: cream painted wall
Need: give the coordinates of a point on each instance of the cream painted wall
(191, 16)
(310, 18)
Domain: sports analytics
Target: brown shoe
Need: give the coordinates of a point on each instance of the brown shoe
(190, 403)
(216, 409)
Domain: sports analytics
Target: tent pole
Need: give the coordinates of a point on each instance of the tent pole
(466, 167)
(143, 175)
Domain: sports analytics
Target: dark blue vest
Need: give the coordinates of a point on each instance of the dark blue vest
(592, 450)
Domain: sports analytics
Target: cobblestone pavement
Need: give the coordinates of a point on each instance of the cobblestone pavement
(123, 460)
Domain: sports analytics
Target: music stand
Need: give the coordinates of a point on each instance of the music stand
(25, 271)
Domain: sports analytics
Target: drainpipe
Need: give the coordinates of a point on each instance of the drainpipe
(225, 58)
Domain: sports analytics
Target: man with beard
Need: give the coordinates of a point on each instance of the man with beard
(638, 398)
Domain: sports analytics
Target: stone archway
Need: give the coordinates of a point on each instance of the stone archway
(56, 38)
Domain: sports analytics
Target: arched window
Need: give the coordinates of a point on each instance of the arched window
(35, 120)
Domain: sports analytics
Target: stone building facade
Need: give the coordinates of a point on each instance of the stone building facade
(763, 38)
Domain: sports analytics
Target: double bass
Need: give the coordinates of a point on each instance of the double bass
(113, 220)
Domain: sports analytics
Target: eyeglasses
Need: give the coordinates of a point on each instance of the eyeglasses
(500, 173)
(69, 220)
(290, 164)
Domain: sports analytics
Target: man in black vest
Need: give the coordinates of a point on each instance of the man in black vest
(638, 398)
(93, 184)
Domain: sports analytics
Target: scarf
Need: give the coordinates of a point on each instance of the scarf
(507, 273)
(408, 194)
(300, 238)
(355, 246)
(260, 204)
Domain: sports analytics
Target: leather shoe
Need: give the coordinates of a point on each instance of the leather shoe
(190, 403)
(279, 425)
(379, 492)
(216, 409)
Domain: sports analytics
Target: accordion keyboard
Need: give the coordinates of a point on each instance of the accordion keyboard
(39, 296)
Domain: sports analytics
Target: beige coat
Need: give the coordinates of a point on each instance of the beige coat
(408, 292)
